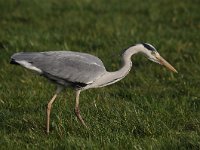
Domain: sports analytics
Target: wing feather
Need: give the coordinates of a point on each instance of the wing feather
(67, 65)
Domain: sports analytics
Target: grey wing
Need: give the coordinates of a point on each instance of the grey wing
(67, 65)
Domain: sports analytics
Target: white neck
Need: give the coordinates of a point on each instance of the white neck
(126, 62)
(112, 77)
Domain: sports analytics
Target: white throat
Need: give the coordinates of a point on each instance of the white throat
(113, 77)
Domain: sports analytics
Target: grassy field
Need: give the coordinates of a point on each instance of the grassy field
(151, 108)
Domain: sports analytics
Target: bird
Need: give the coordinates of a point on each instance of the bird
(81, 71)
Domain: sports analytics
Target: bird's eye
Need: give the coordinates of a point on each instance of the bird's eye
(153, 53)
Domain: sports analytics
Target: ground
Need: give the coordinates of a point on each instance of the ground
(151, 108)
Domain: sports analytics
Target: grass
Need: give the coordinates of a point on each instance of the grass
(150, 109)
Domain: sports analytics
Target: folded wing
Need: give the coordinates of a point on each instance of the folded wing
(66, 65)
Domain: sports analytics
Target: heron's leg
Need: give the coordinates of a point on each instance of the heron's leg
(59, 89)
(77, 110)
(49, 110)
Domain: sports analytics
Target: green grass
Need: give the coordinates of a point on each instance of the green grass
(151, 108)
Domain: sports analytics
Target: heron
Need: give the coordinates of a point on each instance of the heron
(81, 71)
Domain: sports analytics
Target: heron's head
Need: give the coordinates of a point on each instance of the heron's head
(154, 56)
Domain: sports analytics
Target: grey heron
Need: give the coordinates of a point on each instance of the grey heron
(80, 70)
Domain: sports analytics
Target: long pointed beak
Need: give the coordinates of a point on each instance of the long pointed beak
(162, 61)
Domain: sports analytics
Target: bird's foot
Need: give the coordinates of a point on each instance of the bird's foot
(78, 115)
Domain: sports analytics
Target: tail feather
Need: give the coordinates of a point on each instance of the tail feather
(25, 59)
(12, 61)
(24, 56)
